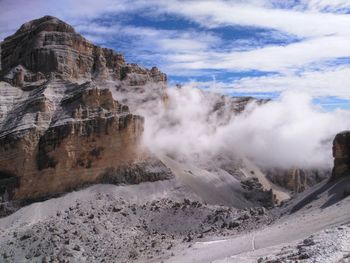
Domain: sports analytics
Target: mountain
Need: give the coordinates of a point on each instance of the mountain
(78, 182)
(60, 127)
(49, 48)
(70, 113)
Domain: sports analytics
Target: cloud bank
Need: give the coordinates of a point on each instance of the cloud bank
(287, 133)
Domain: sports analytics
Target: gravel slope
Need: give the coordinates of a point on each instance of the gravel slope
(132, 223)
(168, 221)
(320, 208)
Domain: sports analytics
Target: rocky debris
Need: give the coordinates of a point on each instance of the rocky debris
(341, 154)
(111, 227)
(150, 170)
(330, 245)
(255, 192)
(48, 47)
(297, 180)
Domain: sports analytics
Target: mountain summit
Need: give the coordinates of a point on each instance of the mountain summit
(48, 47)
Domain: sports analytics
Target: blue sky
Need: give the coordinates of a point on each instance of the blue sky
(252, 47)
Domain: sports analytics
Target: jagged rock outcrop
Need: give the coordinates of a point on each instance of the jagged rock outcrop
(48, 47)
(341, 154)
(297, 180)
(60, 125)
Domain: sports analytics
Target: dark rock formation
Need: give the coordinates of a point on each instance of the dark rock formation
(297, 180)
(341, 154)
(255, 192)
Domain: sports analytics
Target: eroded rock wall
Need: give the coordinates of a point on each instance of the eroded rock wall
(99, 135)
(341, 154)
(48, 47)
(60, 126)
(297, 180)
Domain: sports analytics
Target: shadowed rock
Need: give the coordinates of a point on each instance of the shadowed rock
(341, 154)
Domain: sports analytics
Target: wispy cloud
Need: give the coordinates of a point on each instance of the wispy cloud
(271, 58)
(327, 85)
(218, 13)
(327, 82)
(339, 6)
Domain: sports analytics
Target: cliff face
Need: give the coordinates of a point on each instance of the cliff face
(297, 180)
(60, 126)
(341, 154)
(48, 47)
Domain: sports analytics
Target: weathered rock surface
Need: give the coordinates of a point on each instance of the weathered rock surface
(341, 154)
(297, 180)
(60, 126)
(49, 47)
(49, 147)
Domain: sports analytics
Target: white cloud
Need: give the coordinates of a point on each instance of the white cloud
(271, 58)
(289, 132)
(326, 82)
(220, 12)
(327, 5)
(149, 43)
(329, 82)
(175, 41)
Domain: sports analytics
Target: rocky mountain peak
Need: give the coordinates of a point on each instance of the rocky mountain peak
(48, 48)
(61, 124)
(46, 23)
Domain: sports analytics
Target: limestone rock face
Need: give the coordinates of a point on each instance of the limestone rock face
(341, 154)
(53, 146)
(297, 180)
(48, 47)
(60, 125)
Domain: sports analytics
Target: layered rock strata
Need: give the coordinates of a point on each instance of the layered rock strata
(60, 126)
(48, 47)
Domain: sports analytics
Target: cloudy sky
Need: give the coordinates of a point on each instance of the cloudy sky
(251, 47)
